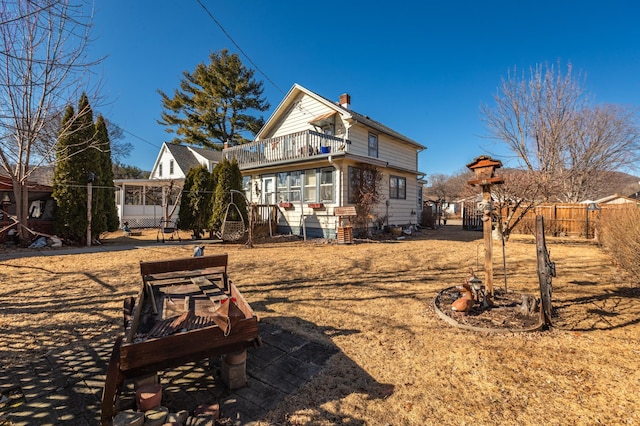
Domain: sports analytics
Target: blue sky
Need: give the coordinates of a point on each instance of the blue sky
(421, 68)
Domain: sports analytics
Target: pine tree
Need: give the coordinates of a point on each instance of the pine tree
(215, 103)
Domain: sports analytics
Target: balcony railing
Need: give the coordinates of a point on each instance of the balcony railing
(292, 147)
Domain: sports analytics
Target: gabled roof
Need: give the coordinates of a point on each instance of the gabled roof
(209, 154)
(347, 114)
(6, 184)
(618, 199)
(183, 156)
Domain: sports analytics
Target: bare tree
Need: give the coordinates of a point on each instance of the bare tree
(514, 198)
(556, 134)
(447, 187)
(44, 67)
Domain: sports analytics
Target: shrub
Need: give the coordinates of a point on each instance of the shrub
(618, 230)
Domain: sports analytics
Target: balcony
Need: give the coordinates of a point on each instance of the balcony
(285, 149)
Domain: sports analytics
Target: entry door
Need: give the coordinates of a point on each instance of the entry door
(268, 195)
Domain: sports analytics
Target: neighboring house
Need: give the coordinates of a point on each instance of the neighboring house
(612, 199)
(148, 203)
(306, 159)
(309, 154)
(174, 161)
(41, 206)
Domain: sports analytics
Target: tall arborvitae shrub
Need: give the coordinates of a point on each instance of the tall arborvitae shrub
(195, 205)
(227, 176)
(106, 187)
(75, 163)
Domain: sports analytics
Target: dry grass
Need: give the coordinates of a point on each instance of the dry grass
(398, 362)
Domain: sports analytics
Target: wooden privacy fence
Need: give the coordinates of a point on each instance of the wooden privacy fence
(560, 219)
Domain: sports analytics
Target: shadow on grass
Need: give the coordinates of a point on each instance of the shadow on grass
(611, 309)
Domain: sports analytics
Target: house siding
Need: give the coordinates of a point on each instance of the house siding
(391, 150)
(165, 158)
(297, 117)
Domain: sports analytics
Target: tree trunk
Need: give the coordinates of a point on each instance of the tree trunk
(21, 195)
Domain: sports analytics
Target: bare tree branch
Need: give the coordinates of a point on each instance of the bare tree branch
(564, 141)
(44, 66)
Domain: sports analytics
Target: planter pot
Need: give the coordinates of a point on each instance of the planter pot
(286, 205)
(325, 149)
(148, 396)
(396, 231)
(315, 205)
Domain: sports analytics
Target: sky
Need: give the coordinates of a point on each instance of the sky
(423, 68)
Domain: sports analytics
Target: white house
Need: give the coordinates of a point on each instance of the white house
(309, 153)
(174, 161)
(307, 158)
(145, 203)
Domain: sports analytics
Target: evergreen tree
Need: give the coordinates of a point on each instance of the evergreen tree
(75, 162)
(123, 171)
(195, 205)
(227, 176)
(214, 103)
(106, 211)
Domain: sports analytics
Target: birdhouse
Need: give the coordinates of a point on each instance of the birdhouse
(484, 167)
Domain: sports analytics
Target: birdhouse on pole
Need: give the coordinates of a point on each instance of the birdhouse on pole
(484, 167)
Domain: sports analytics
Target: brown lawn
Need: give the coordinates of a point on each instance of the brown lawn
(398, 363)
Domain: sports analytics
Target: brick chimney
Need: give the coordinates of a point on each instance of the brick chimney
(345, 101)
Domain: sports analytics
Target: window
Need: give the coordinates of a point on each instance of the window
(133, 196)
(289, 186)
(364, 184)
(153, 196)
(283, 187)
(373, 145)
(170, 167)
(160, 170)
(246, 186)
(310, 187)
(316, 185)
(326, 185)
(397, 187)
(295, 185)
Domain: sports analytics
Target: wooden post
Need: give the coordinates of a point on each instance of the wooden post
(484, 168)
(488, 238)
(89, 196)
(252, 211)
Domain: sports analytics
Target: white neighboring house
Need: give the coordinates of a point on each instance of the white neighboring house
(145, 203)
(306, 159)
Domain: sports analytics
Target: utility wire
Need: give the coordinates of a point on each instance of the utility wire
(238, 47)
(138, 137)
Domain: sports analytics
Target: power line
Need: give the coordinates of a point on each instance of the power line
(238, 47)
(138, 137)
